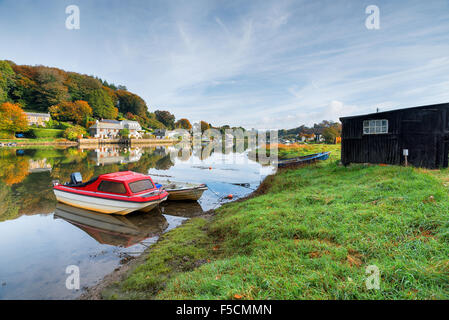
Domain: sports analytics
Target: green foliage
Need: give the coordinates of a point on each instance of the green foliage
(153, 123)
(50, 89)
(6, 80)
(102, 104)
(132, 103)
(166, 118)
(6, 134)
(46, 133)
(124, 132)
(37, 88)
(64, 125)
(74, 132)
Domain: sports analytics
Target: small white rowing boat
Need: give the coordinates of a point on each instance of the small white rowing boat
(183, 190)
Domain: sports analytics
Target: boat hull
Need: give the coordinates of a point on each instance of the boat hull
(304, 159)
(103, 205)
(186, 194)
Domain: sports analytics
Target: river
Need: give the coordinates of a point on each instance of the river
(40, 239)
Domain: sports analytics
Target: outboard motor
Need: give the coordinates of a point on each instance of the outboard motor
(76, 178)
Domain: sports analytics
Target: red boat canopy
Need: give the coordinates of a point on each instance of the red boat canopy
(123, 176)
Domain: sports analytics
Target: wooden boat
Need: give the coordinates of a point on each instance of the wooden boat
(114, 230)
(310, 158)
(116, 193)
(183, 190)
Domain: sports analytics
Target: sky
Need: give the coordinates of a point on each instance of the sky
(254, 63)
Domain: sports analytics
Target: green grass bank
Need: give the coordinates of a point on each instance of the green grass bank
(309, 233)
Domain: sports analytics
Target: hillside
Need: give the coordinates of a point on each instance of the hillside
(37, 88)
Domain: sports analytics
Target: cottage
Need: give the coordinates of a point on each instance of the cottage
(110, 129)
(135, 130)
(420, 133)
(38, 119)
(106, 129)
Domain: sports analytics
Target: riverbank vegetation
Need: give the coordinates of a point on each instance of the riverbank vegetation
(309, 233)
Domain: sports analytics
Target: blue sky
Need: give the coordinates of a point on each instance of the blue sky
(261, 64)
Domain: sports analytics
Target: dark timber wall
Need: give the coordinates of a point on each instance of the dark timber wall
(424, 131)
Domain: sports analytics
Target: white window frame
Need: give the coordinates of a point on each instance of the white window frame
(377, 126)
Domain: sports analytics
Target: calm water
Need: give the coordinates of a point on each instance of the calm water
(39, 238)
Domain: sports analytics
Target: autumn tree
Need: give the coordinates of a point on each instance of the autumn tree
(130, 102)
(183, 124)
(76, 111)
(204, 126)
(331, 131)
(165, 118)
(12, 118)
(50, 89)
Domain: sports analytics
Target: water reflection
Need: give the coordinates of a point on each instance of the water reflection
(26, 174)
(123, 231)
(40, 238)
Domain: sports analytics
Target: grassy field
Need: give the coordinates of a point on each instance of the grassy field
(310, 234)
(37, 141)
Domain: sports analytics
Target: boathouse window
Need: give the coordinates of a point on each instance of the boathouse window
(113, 187)
(141, 185)
(375, 126)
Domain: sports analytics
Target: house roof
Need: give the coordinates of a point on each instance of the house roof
(397, 110)
(36, 114)
(106, 125)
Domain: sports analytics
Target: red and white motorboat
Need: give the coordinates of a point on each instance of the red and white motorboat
(117, 193)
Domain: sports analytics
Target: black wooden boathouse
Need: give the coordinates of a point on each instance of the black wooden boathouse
(385, 137)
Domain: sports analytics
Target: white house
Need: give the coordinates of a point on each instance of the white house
(110, 129)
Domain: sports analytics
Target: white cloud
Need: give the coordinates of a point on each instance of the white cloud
(257, 64)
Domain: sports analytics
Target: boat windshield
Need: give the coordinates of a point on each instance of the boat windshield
(141, 185)
(113, 187)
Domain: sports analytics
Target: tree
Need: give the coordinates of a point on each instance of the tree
(166, 118)
(130, 102)
(124, 133)
(77, 111)
(102, 104)
(183, 124)
(331, 132)
(12, 118)
(204, 126)
(6, 80)
(73, 133)
(50, 89)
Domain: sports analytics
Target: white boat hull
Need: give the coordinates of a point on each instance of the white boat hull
(188, 194)
(103, 205)
(183, 190)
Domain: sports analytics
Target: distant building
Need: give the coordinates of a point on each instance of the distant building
(159, 133)
(135, 130)
(38, 119)
(110, 129)
(303, 137)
